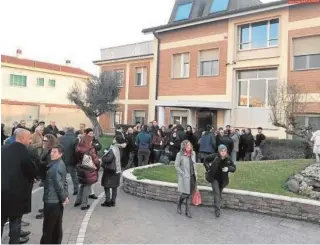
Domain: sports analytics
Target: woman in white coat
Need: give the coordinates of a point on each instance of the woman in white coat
(186, 172)
(316, 144)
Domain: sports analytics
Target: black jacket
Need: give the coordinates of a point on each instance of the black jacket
(18, 171)
(131, 146)
(259, 139)
(50, 130)
(227, 141)
(214, 165)
(247, 142)
(69, 143)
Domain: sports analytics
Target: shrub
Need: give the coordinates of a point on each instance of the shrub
(274, 149)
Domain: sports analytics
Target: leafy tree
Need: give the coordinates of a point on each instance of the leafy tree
(97, 97)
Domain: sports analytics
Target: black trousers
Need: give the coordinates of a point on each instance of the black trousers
(52, 224)
(14, 226)
(114, 193)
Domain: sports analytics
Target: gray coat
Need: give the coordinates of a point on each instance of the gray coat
(236, 140)
(55, 187)
(182, 165)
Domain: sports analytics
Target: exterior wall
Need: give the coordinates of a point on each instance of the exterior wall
(42, 103)
(132, 97)
(194, 85)
(132, 108)
(255, 59)
(123, 67)
(139, 92)
(63, 115)
(33, 93)
(192, 40)
(305, 21)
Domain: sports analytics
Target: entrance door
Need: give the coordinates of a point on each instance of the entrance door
(206, 117)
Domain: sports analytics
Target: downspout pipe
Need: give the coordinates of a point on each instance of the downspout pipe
(158, 68)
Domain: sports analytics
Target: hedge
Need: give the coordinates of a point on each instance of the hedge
(274, 149)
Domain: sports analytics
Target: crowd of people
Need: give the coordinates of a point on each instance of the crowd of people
(45, 154)
(149, 143)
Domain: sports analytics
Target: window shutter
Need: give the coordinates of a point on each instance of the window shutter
(179, 113)
(207, 55)
(139, 113)
(176, 65)
(306, 45)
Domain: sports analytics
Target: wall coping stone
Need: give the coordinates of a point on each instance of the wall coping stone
(128, 174)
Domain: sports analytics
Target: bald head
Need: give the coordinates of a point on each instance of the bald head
(23, 136)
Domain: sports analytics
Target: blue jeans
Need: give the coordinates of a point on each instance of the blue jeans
(71, 169)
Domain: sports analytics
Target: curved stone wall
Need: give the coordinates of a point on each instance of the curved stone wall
(289, 207)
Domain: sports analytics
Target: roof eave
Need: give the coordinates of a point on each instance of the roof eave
(129, 58)
(209, 19)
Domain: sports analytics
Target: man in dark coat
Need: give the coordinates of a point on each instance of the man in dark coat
(18, 171)
(69, 143)
(248, 145)
(227, 141)
(51, 129)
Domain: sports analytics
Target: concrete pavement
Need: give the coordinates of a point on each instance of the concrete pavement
(136, 220)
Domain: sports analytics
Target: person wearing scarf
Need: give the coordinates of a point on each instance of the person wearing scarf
(186, 172)
(111, 164)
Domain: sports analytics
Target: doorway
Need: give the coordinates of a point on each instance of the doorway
(206, 117)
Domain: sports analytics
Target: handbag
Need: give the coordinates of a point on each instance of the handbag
(109, 166)
(196, 198)
(87, 161)
(164, 159)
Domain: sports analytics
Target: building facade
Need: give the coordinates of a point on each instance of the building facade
(219, 59)
(38, 90)
(136, 68)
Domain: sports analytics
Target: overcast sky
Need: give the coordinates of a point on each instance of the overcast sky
(56, 30)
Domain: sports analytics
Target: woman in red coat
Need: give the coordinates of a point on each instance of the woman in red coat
(88, 166)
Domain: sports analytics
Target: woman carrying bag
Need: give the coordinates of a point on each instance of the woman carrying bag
(88, 166)
(186, 172)
(111, 164)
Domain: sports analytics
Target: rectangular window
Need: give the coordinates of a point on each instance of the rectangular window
(306, 53)
(120, 77)
(183, 11)
(219, 5)
(179, 117)
(18, 80)
(40, 82)
(116, 118)
(209, 62)
(52, 83)
(139, 116)
(258, 35)
(255, 86)
(180, 66)
(141, 76)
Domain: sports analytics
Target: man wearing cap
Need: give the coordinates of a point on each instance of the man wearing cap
(218, 166)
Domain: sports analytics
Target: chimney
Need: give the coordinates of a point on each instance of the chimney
(68, 62)
(18, 53)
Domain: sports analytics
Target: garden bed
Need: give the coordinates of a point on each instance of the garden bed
(264, 176)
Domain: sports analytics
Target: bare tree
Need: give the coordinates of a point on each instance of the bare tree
(97, 97)
(287, 102)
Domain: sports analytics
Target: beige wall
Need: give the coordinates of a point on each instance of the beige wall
(33, 93)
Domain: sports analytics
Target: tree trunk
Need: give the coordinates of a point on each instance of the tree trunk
(96, 126)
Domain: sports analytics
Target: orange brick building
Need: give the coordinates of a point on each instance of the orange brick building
(216, 61)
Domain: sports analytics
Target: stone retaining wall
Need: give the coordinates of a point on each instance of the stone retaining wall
(289, 207)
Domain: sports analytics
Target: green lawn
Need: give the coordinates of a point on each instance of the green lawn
(265, 176)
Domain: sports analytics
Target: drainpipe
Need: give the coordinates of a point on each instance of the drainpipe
(157, 71)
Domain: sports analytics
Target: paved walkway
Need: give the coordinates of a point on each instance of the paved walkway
(136, 220)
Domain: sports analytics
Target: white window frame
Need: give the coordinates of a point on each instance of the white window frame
(199, 63)
(307, 64)
(182, 64)
(37, 82)
(248, 80)
(134, 116)
(250, 35)
(144, 76)
(117, 71)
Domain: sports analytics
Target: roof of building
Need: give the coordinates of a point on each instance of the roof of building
(234, 8)
(43, 65)
(134, 50)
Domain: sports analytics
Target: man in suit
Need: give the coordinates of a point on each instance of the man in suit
(18, 171)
